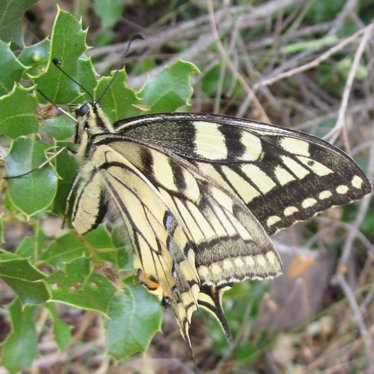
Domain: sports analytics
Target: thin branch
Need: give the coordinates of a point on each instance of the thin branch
(358, 107)
(334, 133)
(364, 206)
(314, 63)
(340, 279)
(348, 9)
(230, 65)
(249, 16)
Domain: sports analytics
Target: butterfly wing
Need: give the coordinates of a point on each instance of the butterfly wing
(160, 245)
(191, 236)
(282, 176)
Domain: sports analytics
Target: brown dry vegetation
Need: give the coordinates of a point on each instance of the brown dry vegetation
(282, 62)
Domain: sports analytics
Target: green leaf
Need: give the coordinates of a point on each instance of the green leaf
(11, 69)
(345, 65)
(67, 168)
(27, 247)
(324, 42)
(109, 11)
(17, 113)
(21, 346)
(77, 286)
(60, 127)
(322, 11)
(35, 192)
(26, 281)
(68, 42)
(170, 89)
(87, 76)
(61, 329)
(211, 81)
(31, 246)
(64, 249)
(101, 242)
(35, 57)
(135, 317)
(11, 20)
(118, 100)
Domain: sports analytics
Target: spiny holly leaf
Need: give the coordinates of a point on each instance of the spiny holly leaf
(118, 100)
(67, 168)
(61, 329)
(24, 279)
(34, 192)
(21, 346)
(68, 42)
(11, 20)
(135, 317)
(35, 57)
(11, 69)
(16, 119)
(76, 285)
(170, 89)
(64, 249)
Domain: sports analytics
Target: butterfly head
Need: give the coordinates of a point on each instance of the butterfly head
(91, 120)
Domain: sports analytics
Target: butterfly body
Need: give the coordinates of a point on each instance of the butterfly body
(200, 194)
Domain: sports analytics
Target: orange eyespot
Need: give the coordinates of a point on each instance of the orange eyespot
(148, 282)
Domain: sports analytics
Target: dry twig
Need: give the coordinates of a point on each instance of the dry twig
(334, 133)
(234, 71)
(314, 63)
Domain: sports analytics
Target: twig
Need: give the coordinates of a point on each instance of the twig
(296, 34)
(230, 65)
(364, 206)
(312, 64)
(359, 320)
(346, 226)
(358, 107)
(250, 18)
(349, 7)
(334, 133)
(165, 364)
(340, 279)
(49, 360)
(252, 72)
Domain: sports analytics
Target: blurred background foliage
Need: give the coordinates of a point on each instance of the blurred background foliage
(288, 62)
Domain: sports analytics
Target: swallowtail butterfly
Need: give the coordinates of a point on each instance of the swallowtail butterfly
(200, 195)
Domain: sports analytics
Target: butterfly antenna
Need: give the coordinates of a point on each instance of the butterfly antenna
(57, 63)
(131, 40)
(56, 106)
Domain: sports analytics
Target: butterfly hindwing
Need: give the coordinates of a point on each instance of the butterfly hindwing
(215, 220)
(160, 244)
(210, 237)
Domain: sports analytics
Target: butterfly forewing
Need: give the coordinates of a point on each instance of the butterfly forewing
(282, 176)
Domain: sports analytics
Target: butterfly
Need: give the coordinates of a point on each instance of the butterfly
(200, 194)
